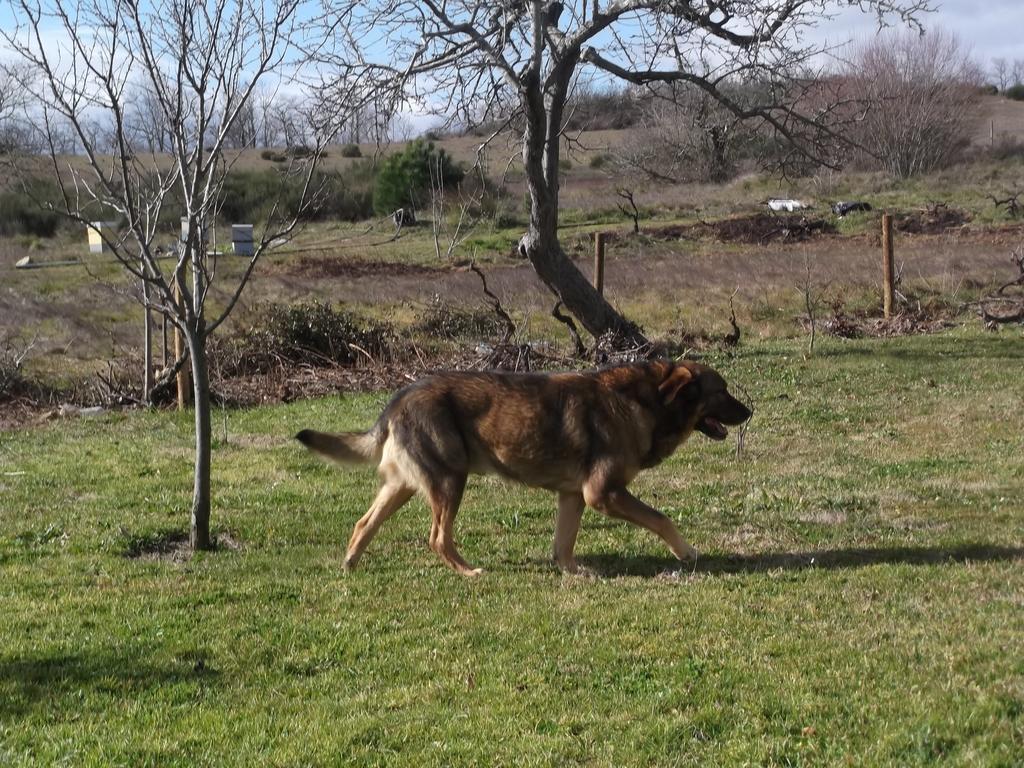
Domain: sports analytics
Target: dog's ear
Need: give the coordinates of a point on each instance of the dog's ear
(678, 380)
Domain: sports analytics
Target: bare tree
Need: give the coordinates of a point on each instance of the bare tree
(1001, 73)
(202, 63)
(12, 102)
(263, 101)
(145, 120)
(521, 59)
(1017, 72)
(921, 92)
(685, 134)
(287, 121)
(244, 131)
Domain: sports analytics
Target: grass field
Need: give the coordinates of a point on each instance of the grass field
(860, 599)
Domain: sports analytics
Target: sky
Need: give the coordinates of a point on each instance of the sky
(990, 28)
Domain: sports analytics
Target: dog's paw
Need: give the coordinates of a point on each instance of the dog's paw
(673, 574)
(582, 572)
(688, 555)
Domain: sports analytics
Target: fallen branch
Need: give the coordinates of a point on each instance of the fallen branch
(991, 319)
(733, 337)
(510, 327)
(1017, 257)
(579, 348)
(1011, 202)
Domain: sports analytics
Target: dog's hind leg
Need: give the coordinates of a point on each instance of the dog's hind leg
(444, 496)
(567, 526)
(390, 497)
(620, 503)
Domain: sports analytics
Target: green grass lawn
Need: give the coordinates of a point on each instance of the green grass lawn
(860, 599)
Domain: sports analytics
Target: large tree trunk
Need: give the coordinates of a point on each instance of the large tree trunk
(199, 532)
(541, 246)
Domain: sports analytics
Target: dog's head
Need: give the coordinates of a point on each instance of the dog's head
(703, 395)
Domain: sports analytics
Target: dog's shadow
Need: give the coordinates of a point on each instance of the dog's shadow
(610, 565)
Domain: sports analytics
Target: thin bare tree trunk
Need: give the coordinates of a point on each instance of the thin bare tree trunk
(199, 532)
(147, 345)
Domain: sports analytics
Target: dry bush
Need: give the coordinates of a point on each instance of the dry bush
(444, 320)
(684, 135)
(313, 334)
(920, 95)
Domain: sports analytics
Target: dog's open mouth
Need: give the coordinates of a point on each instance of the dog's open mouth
(713, 428)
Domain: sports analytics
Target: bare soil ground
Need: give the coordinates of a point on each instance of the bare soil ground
(1004, 117)
(667, 262)
(640, 265)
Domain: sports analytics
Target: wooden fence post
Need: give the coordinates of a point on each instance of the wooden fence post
(887, 268)
(599, 262)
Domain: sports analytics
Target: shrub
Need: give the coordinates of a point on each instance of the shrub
(300, 150)
(405, 177)
(446, 321)
(922, 93)
(249, 196)
(598, 161)
(23, 211)
(1015, 92)
(565, 164)
(351, 150)
(1007, 148)
(273, 156)
(313, 334)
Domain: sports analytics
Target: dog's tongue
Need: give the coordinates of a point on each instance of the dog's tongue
(716, 429)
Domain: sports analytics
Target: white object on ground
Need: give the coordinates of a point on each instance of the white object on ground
(781, 204)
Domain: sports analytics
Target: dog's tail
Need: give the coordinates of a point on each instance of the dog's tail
(347, 448)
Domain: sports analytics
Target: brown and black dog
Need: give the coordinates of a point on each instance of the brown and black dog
(583, 435)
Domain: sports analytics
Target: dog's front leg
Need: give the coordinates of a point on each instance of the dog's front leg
(620, 503)
(567, 526)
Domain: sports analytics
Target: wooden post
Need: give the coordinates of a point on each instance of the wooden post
(992, 132)
(599, 262)
(887, 270)
(179, 350)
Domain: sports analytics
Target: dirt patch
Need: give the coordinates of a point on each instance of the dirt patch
(933, 220)
(330, 266)
(173, 546)
(755, 229)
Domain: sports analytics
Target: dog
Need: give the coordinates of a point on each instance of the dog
(584, 436)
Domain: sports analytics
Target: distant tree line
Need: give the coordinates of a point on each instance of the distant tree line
(1008, 77)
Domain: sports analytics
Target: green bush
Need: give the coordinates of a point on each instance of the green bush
(23, 211)
(1015, 92)
(351, 150)
(273, 156)
(405, 178)
(249, 196)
